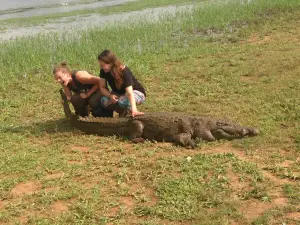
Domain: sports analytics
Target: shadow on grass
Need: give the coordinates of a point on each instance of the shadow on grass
(48, 127)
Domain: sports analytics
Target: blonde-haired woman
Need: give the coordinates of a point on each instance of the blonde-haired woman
(81, 89)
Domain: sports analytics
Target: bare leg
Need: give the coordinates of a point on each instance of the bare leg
(108, 105)
(80, 105)
(94, 100)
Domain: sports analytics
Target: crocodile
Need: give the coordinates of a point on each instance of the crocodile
(179, 128)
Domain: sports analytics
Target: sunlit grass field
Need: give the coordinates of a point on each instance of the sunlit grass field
(233, 60)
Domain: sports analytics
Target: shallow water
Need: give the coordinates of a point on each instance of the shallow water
(15, 4)
(79, 23)
(47, 10)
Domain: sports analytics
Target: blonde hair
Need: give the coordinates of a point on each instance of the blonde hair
(62, 66)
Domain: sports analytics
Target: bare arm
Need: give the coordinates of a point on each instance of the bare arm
(134, 111)
(86, 78)
(129, 92)
(103, 88)
(92, 90)
(67, 92)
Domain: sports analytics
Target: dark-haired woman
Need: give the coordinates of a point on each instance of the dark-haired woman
(126, 91)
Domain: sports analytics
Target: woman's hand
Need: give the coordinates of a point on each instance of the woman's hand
(83, 95)
(136, 113)
(113, 98)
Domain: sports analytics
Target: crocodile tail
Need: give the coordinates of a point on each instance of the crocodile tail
(67, 110)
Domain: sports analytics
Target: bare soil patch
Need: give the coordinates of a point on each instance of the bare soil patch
(2, 205)
(253, 208)
(287, 163)
(280, 201)
(151, 197)
(113, 212)
(51, 189)
(59, 207)
(54, 176)
(128, 202)
(27, 188)
(23, 219)
(275, 179)
(256, 39)
(81, 149)
(294, 216)
(237, 185)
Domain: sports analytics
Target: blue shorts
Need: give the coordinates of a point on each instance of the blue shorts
(123, 100)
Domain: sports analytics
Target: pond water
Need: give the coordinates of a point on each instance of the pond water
(79, 23)
(19, 9)
(16, 4)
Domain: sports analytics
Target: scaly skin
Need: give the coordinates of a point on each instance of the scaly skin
(179, 128)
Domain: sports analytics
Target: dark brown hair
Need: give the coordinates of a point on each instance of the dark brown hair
(108, 57)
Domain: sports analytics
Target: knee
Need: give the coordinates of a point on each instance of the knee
(76, 100)
(101, 112)
(123, 102)
(94, 100)
(105, 101)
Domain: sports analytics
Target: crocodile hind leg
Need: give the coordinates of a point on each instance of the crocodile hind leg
(185, 140)
(136, 129)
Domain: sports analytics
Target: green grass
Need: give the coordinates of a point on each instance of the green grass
(241, 64)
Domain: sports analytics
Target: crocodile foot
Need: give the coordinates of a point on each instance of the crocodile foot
(138, 140)
(185, 140)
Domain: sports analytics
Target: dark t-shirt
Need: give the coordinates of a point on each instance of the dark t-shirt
(128, 78)
(78, 87)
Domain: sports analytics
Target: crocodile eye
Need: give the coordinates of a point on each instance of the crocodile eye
(222, 124)
(219, 124)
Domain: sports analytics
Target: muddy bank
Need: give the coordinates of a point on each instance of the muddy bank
(79, 23)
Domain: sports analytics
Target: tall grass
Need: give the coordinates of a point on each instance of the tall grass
(134, 41)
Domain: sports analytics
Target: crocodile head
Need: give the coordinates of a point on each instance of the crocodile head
(233, 130)
(67, 110)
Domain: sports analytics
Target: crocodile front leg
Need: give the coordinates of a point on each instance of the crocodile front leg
(221, 134)
(185, 140)
(204, 134)
(135, 131)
